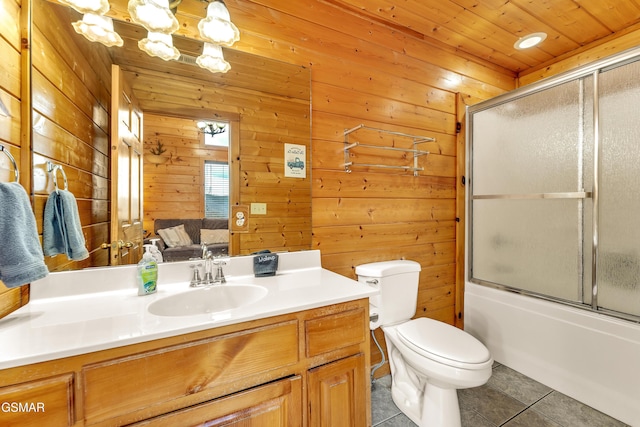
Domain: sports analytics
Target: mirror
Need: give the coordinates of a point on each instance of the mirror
(266, 102)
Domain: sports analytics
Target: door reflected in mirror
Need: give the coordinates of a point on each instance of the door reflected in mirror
(265, 102)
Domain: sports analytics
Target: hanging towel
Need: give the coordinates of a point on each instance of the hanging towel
(61, 228)
(21, 259)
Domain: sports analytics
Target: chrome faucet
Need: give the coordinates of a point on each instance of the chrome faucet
(208, 279)
(204, 248)
(208, 269)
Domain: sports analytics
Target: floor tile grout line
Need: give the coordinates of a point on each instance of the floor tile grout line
(385, 420)
(526, 408)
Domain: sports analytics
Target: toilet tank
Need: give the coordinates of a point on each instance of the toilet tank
(397, 282)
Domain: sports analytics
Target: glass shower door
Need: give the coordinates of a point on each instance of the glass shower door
(618, 267)
(531, 163)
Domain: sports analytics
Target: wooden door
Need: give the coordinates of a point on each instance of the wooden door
(337, 394)
(126, 173)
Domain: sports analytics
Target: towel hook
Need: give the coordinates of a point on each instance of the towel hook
(53, 169)
(13, 161)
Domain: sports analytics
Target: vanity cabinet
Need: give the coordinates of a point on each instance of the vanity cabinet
(308, 368)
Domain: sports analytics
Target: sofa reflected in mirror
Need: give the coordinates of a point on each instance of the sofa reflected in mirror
(184, 239)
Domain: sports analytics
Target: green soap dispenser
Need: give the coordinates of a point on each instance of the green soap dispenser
(147, 273)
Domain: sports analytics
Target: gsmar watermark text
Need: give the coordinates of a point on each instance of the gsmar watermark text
(22, 407)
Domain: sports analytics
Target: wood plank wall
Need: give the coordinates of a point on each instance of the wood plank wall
(366, 73)
(623, 40)
(174, 189)
(10, 126)
(71, 84)
(263, 123)
(10, 76)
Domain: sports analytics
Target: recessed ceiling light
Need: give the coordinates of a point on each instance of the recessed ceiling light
(530, 40)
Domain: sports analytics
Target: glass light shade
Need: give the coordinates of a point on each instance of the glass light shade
(212, 59)
(217, 26)
(99, 7)
(530, 41)
(160, 45)
(98, 28)
(154, 15)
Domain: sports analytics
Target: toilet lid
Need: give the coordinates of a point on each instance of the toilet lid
(443, 343)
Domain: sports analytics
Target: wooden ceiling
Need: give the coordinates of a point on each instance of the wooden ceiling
(487, 29)
(483, 31)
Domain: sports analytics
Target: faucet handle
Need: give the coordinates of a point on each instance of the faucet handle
(219, 273)
(196, 280)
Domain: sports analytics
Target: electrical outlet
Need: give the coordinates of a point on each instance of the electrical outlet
(259, 208)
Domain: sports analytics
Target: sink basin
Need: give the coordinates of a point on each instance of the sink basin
(211, 299)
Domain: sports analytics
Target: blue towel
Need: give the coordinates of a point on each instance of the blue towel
(21, 259)
(61, 227)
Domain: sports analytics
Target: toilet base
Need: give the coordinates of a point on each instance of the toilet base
(436, 407)
(427, 391)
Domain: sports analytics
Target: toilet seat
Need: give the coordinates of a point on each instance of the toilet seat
(443, 343)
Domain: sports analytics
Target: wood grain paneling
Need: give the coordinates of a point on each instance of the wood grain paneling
(486, 30)
(11, 77)
(263, 118)
(48, 402)
(175, 189)
(228, 360)
(71, 102)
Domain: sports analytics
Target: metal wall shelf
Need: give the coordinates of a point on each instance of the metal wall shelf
(416, 153)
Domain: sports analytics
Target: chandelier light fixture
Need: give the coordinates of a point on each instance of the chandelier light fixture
(211, 128)
(160, 45)
(99, 7)
(158, 18)
(217, 27)
(212, 59)
(154, 15)
(98, 28)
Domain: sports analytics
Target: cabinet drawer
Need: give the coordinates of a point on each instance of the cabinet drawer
(47, 402)
(335, 331)
(146, 383)
(277, 404)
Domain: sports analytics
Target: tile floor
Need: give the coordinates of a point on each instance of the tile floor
(509, 399)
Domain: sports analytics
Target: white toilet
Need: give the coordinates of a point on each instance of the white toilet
(429, 359)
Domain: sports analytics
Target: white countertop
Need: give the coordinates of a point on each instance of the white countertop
(61, 321)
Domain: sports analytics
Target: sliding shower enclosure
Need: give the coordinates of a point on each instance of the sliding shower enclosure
(554, 200)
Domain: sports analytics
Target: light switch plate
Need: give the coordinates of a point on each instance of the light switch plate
(258, 208)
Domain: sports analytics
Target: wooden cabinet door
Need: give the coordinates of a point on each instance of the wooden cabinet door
(46, 402)
(338, 394)
(277, 404)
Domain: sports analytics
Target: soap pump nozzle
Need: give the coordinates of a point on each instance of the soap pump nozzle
(153, 251)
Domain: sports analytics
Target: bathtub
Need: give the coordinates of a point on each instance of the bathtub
(590, 357)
